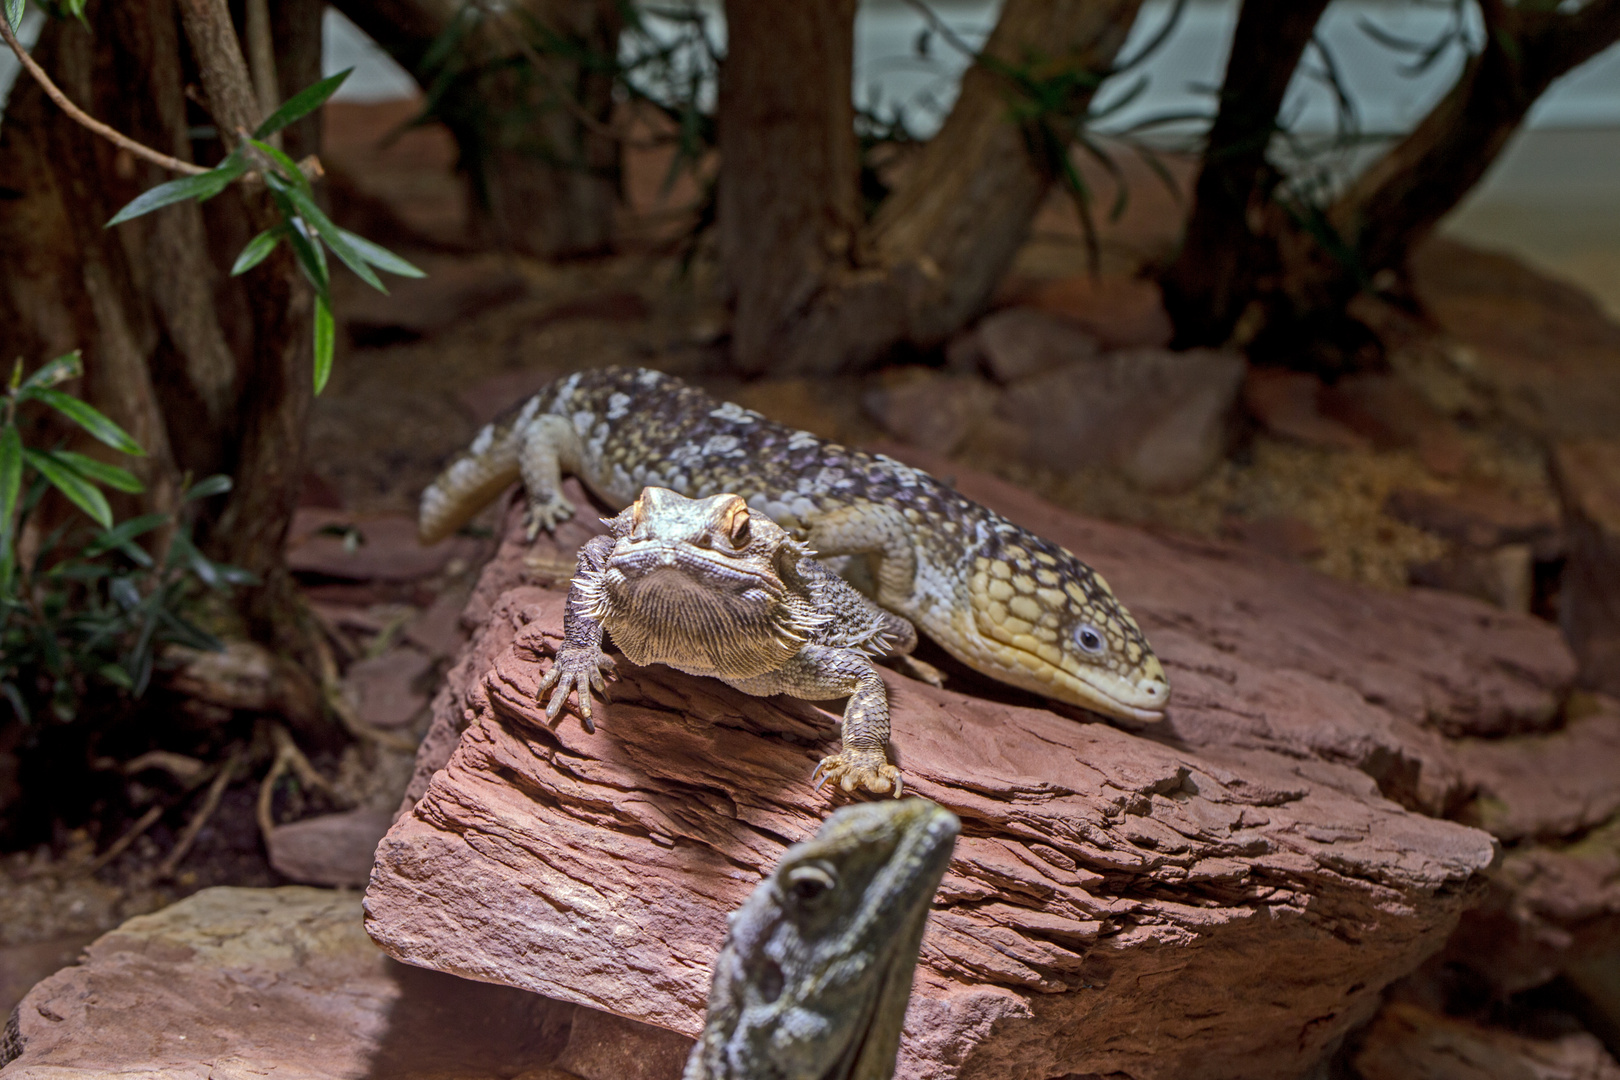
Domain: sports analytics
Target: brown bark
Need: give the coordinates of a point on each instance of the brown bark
(1302, 288)
(532, 128)
(788, 209)
(1396, 203)
(933, 254)
(1221, 257)
(277, 388)
(68, 282)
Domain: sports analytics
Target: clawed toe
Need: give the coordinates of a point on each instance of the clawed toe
(859, 770)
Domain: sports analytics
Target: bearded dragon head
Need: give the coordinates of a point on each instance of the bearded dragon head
(704, 585)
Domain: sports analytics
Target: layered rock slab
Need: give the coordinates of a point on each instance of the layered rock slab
(232, 984)
(1224, 900)
(1114, 904)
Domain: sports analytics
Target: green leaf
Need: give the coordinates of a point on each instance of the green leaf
(202, 188)
(206, 488)
(324, 334)
(99, 471)
(79, 491)
(301, 104)
(64, 367)
(11, 459)
(258, 249)
(87, 417)
(310, 258)
(334, 237)
(14, 14)
(116, 675)
(123, 533)
(381, 257)
(289, 168)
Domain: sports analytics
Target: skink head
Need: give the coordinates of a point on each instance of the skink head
(1046, 621)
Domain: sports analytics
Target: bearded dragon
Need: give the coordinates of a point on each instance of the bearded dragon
(997, 597)
(711, 588)
(815, 973)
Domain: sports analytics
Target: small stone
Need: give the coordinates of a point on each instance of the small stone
(383, 686)
(332, 849)
(1022, 342)
(1160, 417)
(380, 547)
(438, 629)
(1287, 404)
(928, 409)
(1475, 517)
(1121, 313)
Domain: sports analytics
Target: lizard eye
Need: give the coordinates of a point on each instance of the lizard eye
(740, 530)
(810, 882)
(1089, 640)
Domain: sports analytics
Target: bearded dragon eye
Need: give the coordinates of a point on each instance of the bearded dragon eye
(740, 530)
(810, 882)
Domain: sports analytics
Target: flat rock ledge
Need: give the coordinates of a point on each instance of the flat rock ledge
(1224, 894)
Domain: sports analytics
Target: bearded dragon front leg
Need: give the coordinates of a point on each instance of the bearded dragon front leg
(580, 661)
(819, 672)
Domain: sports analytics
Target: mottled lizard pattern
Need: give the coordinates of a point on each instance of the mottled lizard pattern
(1002, 600)
(813, 978)
(709, 587)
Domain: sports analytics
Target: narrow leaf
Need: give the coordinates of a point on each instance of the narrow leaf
(218, 484)
(79, 491)
(381, 257)
(124, 532)
(289, 168)
(87, 417)
(11, 459)
(325, 331)
(64, 367)
(310, 259)
(201, 188)
(14, 14)
(99, 471)
(334, 237)
(301, 104)
(258, 249)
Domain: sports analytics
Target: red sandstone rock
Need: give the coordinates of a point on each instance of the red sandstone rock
(1109, 888)
(1408, 1041)
(241, 984)
(384, 547)
(331, 849)
(1122, 313)
(384, 686)
(1288, 405)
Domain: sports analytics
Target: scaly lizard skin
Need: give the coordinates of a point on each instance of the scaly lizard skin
(997, 597)
(813, 978)
(711, 588)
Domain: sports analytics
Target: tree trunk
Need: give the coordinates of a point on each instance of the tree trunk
(788, 185)
(930, 259)
(1221, 257)
(1247, 253)
(531, 126)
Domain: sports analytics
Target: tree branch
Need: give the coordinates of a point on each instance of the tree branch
(84, 119)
